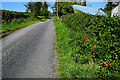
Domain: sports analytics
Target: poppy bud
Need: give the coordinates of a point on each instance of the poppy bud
(105, 63)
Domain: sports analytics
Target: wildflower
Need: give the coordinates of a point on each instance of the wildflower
(86, 38)
(83, 38)
(94, 53)
(95, 49)
(105, 63)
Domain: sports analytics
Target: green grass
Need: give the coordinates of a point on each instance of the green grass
(63, 48)
(9, 28)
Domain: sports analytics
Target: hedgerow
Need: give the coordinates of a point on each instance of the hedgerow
(12, 20)
(8, 16)
(94, 45)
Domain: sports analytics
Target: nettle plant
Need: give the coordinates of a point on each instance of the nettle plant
(98, 37)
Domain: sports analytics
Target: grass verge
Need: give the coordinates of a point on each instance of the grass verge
(15, 26)
(66, 65)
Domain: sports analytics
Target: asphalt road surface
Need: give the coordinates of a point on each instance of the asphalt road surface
(29, 52)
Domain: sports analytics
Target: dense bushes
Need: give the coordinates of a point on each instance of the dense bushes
(67, 66)
(8, 16)
(103, 35)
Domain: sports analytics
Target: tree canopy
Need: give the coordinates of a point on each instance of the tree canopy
(45, 9)
(37, 8)
(108, 8)
(63, 8)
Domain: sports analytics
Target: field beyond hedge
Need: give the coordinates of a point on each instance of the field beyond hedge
(88, 46)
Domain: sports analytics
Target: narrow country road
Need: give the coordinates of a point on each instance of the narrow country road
(29, 52)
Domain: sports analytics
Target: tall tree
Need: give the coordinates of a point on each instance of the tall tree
(53, 10)
(45, 9)
(29, 6)
(108, 8)
(63, 8)
(34, 7)
(37, 8)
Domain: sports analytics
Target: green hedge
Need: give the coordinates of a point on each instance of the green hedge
(103, 35)
(8, 16)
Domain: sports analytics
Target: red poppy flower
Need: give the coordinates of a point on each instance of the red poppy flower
(83, 38)
(95, 48)
(105, 63)
(86, 38)
(94, 53)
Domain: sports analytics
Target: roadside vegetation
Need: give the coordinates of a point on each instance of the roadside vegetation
(63, 8)
(87, 46)
(12, 20)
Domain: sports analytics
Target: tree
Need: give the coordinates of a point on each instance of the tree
(108, 8)
(34, 7)
(63, 8)
(29, 6)
(37, 8)
(45, 9)
(53, 10)
(84, 2)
